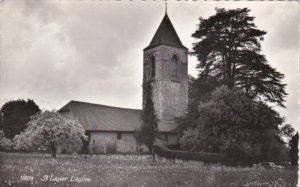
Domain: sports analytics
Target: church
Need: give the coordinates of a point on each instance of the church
(112, 129)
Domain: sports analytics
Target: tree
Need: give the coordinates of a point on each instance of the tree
(5, 143)
(199, 90)
(287, 132)
(48, 130)
(231, 122)
(228, 48)
(15, 115)
(146, 135)
(294, 157)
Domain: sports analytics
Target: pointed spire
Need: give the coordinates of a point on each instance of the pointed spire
(165, 35)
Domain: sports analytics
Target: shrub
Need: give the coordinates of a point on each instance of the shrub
(229, 122)
(173, 146)
(111, 148)
(5, 144)
(97, 149)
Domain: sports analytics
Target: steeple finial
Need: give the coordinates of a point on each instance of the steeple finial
(166, 8)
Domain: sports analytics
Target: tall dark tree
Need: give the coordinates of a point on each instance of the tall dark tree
(146, 135)
(15, 115)
(199, 91)
(228, 48)
(294, 149)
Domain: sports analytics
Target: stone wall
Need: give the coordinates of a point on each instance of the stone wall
(170, 92)
(108, 142)
(170, 139)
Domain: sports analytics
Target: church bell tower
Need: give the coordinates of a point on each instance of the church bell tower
(165, 66)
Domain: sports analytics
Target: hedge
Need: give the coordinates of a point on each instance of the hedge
(25, 151)
(173, 147)
(163, 151)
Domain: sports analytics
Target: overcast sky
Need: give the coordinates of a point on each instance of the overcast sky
(92, 51)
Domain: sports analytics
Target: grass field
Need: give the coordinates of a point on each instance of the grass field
(129, 171)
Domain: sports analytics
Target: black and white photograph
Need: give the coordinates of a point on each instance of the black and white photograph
(99, 93)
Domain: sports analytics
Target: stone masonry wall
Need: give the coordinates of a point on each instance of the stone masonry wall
(170, 93)
(105, 142)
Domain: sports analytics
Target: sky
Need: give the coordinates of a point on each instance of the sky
(92, 51)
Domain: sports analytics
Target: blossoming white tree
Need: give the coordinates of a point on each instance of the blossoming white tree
(50, 130)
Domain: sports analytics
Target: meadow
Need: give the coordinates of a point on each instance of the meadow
(23, 169)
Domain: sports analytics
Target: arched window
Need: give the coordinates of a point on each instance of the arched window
(152, 66)
(174, 65)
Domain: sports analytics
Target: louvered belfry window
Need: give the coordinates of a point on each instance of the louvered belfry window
(152, 68)
(174, 65)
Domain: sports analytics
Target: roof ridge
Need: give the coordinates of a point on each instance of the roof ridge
(108, 106)
(102, 117)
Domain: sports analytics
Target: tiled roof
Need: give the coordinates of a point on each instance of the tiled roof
(165, 35)
(105, 118)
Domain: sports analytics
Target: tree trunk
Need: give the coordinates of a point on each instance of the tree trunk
(53, 150)
(150, 149)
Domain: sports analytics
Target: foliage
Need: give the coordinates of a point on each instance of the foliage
(96, 149)
(228, 48)
(231, 122)
(111, 148)
(233, 118)
(15, 115)
(48, 130)
(287, 131)
(199, 90)
(146, 135)
(5, 143)
(294, 157)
